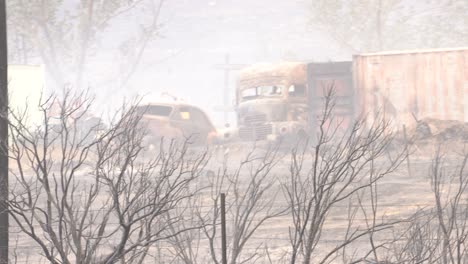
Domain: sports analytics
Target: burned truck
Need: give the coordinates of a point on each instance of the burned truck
(285, 100)
(282, 101)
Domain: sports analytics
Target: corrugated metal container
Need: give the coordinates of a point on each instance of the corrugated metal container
(331, 75)
(412, 85)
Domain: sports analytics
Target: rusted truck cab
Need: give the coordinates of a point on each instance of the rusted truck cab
(272, 101)
(284, 100)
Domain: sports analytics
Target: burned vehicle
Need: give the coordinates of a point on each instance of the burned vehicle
(176, 121)
(286, 99)
(281, 101)
(271, 101)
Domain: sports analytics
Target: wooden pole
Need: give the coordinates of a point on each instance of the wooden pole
(3, 136)
(223, 228)
(226, 88)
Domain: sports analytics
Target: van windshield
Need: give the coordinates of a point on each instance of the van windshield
(262, 91)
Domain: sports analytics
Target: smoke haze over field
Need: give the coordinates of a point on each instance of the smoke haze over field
(247, 131)
(195, 36)
(202, 32)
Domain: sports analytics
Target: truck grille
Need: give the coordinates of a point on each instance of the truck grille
(258, 132)
(252, 120)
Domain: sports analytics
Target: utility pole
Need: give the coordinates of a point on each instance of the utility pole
(3, 136)
(226, 87)
(223, 228)
(227, 67)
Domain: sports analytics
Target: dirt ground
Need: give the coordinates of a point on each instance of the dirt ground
(401, 194)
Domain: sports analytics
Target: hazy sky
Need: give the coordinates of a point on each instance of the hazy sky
(197, 34)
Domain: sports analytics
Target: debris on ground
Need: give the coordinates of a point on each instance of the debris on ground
(440, 130)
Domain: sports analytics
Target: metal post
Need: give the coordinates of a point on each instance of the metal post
(408, 163)
(223, 227)
(3, 136)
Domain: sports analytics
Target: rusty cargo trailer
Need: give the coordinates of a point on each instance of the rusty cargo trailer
(412, 85)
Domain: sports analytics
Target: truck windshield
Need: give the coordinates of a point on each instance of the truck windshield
(262, 91)
(297, 90)
(157, 110)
